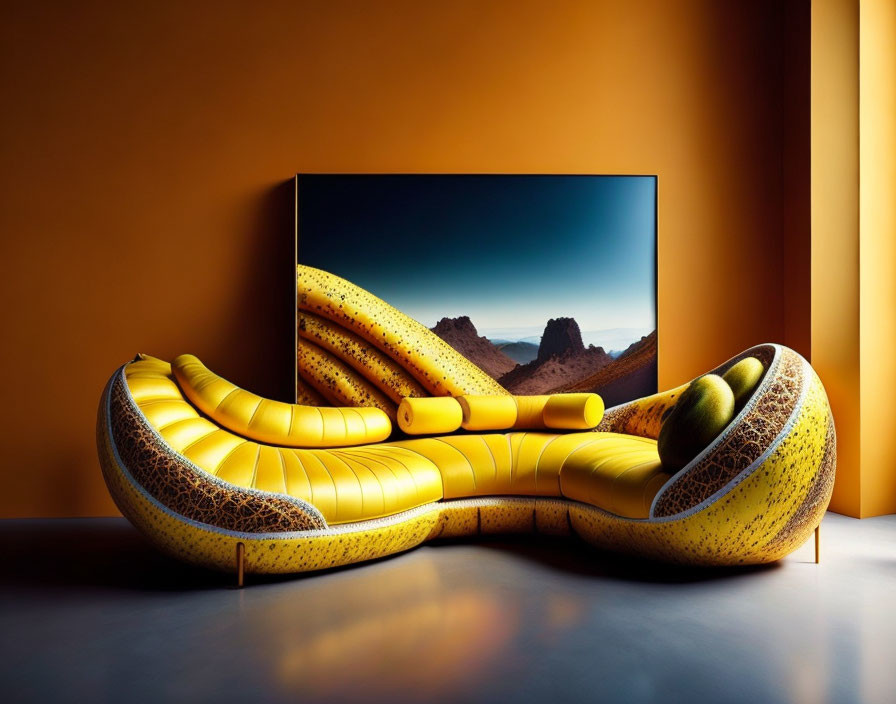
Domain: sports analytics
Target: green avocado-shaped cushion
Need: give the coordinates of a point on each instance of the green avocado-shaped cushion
(743, 378)
(702, 412)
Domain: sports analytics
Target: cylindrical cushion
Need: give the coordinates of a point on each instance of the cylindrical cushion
(573, 411)
(530, 412)
(487, 412)
(429, 416)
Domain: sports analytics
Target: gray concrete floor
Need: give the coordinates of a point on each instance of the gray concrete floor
(90, 612)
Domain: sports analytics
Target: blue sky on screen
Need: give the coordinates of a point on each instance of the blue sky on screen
(508, 251)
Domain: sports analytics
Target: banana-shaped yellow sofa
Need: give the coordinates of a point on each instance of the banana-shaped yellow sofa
(220, 477)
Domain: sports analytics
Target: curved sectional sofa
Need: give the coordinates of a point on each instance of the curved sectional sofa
(199, 484)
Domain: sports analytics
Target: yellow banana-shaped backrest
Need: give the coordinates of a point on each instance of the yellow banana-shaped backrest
(432, 362)
(276, 422)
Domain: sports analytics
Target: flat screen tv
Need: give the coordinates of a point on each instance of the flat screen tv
(546, 282)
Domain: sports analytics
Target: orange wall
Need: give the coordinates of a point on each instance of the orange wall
(877, 258)
(835, 230)
(853, 216)
(146, 149)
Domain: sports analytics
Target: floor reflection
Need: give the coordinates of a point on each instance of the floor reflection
(398, 627)
(93, 604)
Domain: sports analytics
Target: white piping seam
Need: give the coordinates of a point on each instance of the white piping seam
(217, 481)
(746, 473)
(346, 528)
(386, 521)
(731, 427)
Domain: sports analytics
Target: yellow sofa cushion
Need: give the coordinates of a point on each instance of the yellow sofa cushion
(482, 413)
(547, 411)
(430, 415)
(620, 473)
(573, 411)
(276, 422)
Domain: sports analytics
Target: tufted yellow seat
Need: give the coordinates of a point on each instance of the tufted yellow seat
(212, 473)
(626, 467)
(206, 493)
(617, 472)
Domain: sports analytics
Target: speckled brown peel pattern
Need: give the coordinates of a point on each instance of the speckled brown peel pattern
(774, 469)
(306, 395)
(644, 416)
(437, 366)
(766, 513)
(743, 444)
(167, 477)
(810, 511)
(337, 382)
(377, 367)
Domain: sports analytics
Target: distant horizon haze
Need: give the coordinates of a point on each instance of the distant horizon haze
(611, 339)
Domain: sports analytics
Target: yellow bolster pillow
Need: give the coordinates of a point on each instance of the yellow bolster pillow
(429, 416)
(275, 422)
(547, 411)
(487, 412)
(573, 411)
(530, 412)
(559, 412)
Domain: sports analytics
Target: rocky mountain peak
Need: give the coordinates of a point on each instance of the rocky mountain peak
(455, 326)
(462, 335)
(561, 337)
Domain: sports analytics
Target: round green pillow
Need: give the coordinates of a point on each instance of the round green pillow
(743, 378)
(702, 412)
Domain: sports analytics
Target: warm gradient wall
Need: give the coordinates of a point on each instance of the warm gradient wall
(853, 215)
(835, 231)
(877, 259)
(145, 151)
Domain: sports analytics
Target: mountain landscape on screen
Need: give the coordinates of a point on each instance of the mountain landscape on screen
(462, 336)
(546, 283)
(560, 362)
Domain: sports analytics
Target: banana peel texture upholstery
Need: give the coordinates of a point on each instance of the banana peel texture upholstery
(199, 465)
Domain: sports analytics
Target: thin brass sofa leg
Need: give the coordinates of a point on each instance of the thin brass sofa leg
(240, 564)
(817, 545)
